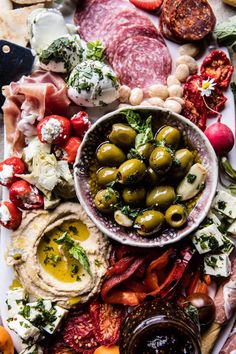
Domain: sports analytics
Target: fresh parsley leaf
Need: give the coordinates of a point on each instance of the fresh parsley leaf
(95, 51)
(80, 255)
(221, 205)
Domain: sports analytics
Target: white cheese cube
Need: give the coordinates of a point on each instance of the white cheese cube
(16, 300)
(59, 314)
(24, 328)
(232, 228)
(32, 349)
(225, 203)
(207, 239)
(218, 265)
(34, 310)
(228, 245)
(212, 218)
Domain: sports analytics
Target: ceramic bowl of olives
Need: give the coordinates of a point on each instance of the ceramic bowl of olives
(145, 176)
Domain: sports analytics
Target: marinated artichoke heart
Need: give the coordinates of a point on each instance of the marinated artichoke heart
(33, 148)
(63, 54)
(92, 83)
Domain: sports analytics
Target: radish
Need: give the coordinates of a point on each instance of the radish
(220, 137)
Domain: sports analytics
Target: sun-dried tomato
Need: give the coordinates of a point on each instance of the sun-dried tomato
(107, 320)
(217, 65)
(216, 101)
(79, 333)
(57, 346)
(191, 112)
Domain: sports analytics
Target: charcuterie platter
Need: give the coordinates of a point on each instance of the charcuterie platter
(119, 203)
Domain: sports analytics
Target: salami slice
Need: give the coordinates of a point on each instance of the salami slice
(192, 20)
(141, 62)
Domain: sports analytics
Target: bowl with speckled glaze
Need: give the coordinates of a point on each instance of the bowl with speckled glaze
(85, 166)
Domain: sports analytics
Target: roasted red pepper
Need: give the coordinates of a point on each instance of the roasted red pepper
(193, 283)
(217, 65)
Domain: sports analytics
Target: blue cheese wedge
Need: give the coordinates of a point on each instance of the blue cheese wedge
(63, 54)
(92, 83)
(24, 328)
(44, 26)
(218, 265)
(16, 300)
(225, 204)
(207, 239)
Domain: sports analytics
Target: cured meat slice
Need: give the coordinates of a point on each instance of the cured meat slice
(91, 15)
(141, 62)
(164, 26)
(192, 20)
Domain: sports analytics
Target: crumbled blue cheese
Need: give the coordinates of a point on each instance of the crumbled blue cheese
(225, 204)
(16, 300)
(92, 83)
(39, 22)
(24, 328)
(207, 239)
(218, 265)
(6, 174)
(32, 349)
(51, 130)
(63, 54)
(5, 215)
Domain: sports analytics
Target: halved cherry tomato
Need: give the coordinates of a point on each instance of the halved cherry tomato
(218, 66)
(9, 168)
(6, 343)
(80, 123)
(54, 130)
(107, 350)
(71, 148)
(25, 196)
(7, 208)
(149, 5)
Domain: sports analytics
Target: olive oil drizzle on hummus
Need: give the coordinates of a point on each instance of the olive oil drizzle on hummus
(55, 259)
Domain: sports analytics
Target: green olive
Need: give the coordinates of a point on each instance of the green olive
(161, 196)
(106, 175)
(131, 171)
(176, 215)
(122, 135)
(160, 160)
(105, 200)
(134, 195)
(182, 162)
(145, 150)
(149, 222)
(110, 155)
(152, 178)
(170, 135)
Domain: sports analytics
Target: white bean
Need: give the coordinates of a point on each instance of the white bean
(156, 101)
(158, 90)
(124, 93)
(189, 49)
(191, 62)
(182, 72)
(173, 106)
(172, 80)
(136, 96)
(177, 99)
(175, 90)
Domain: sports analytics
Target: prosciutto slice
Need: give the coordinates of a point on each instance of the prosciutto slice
(28, 101)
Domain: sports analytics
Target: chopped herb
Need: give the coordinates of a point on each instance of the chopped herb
(221, 205)
(52, 259)
(134, 154)
(74, 269)
(192, 312)
(191, 178)
(97, 263)
(131, 213)
(211, 262)
(223, 227)
(26, 311)
(95, 51)
(73, 229)
(208, 241)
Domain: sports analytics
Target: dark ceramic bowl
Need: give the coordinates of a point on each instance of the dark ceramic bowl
(86, 160)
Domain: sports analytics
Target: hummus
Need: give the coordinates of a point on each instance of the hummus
(47, 268)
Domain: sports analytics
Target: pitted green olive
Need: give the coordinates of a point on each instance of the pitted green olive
(133, 195)
(110, 155)
(176, 215)
(160, 160)
(149, 222)
(145, 150)
(106, 175)
(105, 200)
(182, 162)
(161, 196)
(170, 135)
(152, 178)
(122, 135)
(131, 171)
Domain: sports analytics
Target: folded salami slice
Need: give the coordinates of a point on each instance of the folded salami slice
(141, 62)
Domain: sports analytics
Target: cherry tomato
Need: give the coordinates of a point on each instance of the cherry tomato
(25, 196)
(10, 216)
(9, 168)
(205, 306)
(71, 148)
(6, 343)
(80, 123)
(54, 130)
(107, 350)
